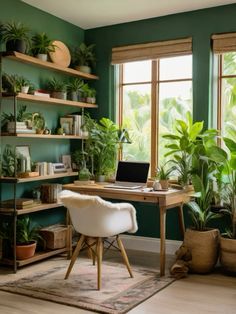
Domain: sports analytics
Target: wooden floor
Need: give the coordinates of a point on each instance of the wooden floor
(196, 294)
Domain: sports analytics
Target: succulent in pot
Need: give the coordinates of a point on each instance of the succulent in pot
(41, 46)
(15, 35)
(163, 174)
(57, 88)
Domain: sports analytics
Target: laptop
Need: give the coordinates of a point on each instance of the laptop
(130, 175)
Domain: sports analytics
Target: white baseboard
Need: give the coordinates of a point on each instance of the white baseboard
(149, 244)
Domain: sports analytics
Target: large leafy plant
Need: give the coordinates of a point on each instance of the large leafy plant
(84, 55)
(227, 185)
(42, 44)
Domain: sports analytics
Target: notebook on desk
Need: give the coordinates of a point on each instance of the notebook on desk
(130, 175)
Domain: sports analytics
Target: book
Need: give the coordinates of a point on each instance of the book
(21, 203)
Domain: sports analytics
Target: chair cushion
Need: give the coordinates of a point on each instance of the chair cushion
(93, 216)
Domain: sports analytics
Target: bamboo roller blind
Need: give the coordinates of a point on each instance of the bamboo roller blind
(224, 42)
(150, 51)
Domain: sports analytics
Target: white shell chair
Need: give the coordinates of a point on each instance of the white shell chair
(94, 217)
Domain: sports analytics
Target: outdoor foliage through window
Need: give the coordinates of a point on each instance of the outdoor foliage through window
(163, 86)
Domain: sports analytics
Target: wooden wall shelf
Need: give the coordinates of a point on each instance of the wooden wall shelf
(55, 101)
(48, 65)
(34, 209)
(49, 136)
(39, 178)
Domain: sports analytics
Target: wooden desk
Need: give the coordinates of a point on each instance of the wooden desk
(163, 200)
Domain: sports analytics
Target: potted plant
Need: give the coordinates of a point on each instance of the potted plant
(13, 123)
(10, 83)
(84, 58)
(41, 46)
(24, 84)
(38, 122)
(57, 88)
(228, 195)
(74, 88)
(15, 35)
(8, 161)
(27, 235)
(91, 96)
(202, 242)
(101, 146)
(163, 174)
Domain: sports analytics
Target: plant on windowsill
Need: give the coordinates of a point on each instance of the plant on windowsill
(163, 174)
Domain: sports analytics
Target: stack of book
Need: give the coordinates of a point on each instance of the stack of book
(41, 93)
(21, 203)
(19, 127)
(72, 123)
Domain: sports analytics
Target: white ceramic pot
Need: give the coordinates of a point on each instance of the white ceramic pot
(156, 185)
(83, 68)
(42, 56)
(24, 89)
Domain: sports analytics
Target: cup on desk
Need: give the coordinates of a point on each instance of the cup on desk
(156, 186)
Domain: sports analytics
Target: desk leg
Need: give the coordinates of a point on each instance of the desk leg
(181, 220)
(163, 240)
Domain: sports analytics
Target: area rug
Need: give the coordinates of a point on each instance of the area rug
(119, 292)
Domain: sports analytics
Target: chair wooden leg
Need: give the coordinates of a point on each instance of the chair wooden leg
(90, 251)
(124, 255)
(75, 255)
(99, 261)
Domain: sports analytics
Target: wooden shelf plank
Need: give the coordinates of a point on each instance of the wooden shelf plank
(36, 208)
(39, 178)
(46, 64)
(50, 136)
(54, 101)
(37, 257)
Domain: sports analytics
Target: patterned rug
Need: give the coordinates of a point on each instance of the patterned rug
(119, 292)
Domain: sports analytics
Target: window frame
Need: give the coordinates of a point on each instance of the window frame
(155, 97)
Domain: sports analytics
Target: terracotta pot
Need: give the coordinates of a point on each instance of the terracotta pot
(228, 254)
(24, 251)
(203, 246)
(164, 184)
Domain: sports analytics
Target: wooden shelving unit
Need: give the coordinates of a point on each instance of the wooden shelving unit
(14, 212)
(46, 100)
(17, 56)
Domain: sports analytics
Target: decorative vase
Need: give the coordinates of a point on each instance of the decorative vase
(203, 246)
(24, 251)
(228, 254)
(42, 56)
(16, 45)
(164, 184)
(83, 68)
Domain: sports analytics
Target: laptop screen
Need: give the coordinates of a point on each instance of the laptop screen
(132, 171)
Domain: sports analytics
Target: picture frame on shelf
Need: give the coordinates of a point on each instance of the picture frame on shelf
(67, 125)
(66, 160)
(23, 152)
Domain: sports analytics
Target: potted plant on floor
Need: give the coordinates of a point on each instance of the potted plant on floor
(41, 46)
(228, 195)
(57, 88)
(27, 235)
(15, 35)
(84, 58)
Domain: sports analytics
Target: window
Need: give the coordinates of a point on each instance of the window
(152, 95)
(224, 47)
(227, 94)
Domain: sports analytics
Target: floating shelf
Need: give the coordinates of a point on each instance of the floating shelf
(46, 100)
(39, 178)
(34, 209)
(45, 64)
(50, 136)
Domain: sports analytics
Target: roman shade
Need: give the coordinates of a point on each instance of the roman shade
(224, 42)
(150, 51)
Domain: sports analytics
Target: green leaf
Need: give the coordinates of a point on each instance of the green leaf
(216, 154)
(197, 183)
(171, 137)
(172, 146)
(230, 144)
(195, 130)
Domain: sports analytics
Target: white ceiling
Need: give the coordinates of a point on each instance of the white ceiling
(95, 13)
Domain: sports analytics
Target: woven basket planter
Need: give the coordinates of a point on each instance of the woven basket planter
(203, 246)
(228, 254)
